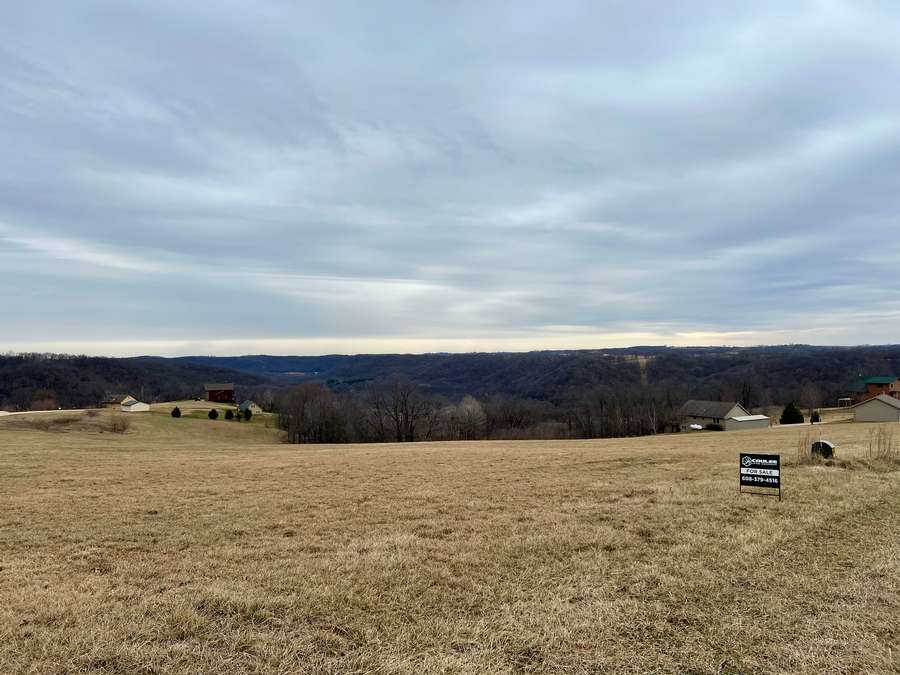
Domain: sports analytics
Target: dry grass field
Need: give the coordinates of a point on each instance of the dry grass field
(190, 546)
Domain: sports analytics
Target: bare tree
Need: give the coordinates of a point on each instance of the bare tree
(398, 411)
(463, 421)
(810, 397)
(310, 413)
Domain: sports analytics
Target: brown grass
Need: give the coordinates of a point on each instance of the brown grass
(89, 421)
(883, 447)
(190, 546)
(880, 449)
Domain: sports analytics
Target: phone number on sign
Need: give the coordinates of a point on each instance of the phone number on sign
(758, 479)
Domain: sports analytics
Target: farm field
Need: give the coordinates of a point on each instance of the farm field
(192, 546)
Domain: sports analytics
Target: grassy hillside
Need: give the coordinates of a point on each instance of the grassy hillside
(190, 546)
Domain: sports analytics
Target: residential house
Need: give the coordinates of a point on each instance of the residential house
(251, 406)
(727, 415)
(879, 385)
(132, 405)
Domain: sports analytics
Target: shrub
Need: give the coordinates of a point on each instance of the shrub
(239, 415)
(248, 414)
(815, 418)
(176, 411)
(50, 423)
(119, 424)
(229, 415)
(792, 414)
(213, 414)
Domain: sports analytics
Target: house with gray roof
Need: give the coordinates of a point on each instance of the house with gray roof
(131, 405)
(251, 406)
(727, 415)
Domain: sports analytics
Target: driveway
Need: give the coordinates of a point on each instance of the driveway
(3, 413)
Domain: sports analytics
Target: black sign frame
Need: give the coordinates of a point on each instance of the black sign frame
(759, 472)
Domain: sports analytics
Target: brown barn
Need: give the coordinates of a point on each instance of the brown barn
(220, 393)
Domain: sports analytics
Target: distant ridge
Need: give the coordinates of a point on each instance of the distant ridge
(698, 372)
(752, 375)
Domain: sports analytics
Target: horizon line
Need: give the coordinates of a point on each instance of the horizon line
(686, 347)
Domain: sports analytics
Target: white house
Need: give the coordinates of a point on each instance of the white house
(131, 404)
(251, 406)
(882, 408)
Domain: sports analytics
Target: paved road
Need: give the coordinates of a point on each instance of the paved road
(3, 413)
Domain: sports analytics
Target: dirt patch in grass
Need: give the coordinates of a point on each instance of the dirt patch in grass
(84, 422)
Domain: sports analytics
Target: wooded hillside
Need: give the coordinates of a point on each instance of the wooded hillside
(46, 381)
(757, 376)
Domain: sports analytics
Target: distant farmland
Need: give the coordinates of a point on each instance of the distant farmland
(192, 546)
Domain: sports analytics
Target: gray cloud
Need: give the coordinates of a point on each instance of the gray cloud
(420, 176)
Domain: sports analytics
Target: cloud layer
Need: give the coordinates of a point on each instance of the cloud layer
(428, 176)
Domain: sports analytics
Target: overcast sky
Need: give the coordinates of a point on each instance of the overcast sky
(232, 177)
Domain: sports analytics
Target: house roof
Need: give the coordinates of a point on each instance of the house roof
(218, 387)
(881, 379)
(884, 398)
(246, 404)
(694, 408)
(128, 402)
(858, 387)
(749, 418)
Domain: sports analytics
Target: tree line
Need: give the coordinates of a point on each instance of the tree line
(397, 410)
(589, 394)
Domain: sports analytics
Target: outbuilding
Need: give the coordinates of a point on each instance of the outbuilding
(220, 393)
(740, 422)
(132, 405)
(881, 408)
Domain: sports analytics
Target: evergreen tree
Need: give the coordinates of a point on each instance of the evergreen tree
(176, 411)
(213, 414)
(229, 415)
(792, 414)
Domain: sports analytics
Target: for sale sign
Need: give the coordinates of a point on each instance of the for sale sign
(760, 471)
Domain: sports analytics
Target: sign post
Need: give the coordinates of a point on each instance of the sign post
(760, 471)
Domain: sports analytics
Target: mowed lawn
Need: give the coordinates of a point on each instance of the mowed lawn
(191, 546)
